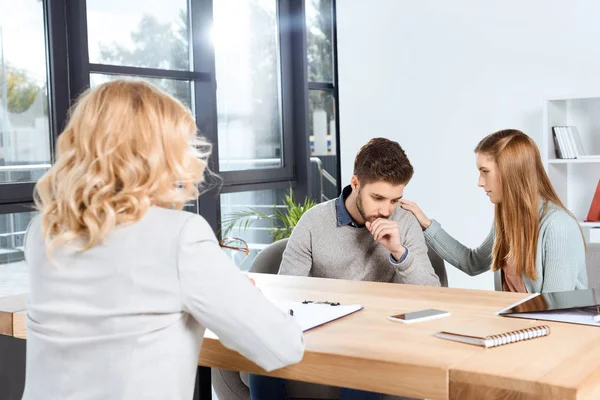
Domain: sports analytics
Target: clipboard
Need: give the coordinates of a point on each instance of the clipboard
(310, 314)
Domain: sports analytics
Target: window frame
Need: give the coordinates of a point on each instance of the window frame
(68, 74)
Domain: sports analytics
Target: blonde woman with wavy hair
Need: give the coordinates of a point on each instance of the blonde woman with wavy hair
(536, 245)
(124, 283)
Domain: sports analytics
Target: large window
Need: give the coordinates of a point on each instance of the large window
(242, 67)
(24, 123)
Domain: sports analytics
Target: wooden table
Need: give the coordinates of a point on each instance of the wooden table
(366, 351)
(12, 316)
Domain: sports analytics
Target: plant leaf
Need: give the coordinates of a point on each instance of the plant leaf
(242, 219)
(284, 217)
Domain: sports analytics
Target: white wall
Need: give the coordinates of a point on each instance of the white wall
(438, 75)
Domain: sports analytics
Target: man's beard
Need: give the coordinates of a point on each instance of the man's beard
(361, 210)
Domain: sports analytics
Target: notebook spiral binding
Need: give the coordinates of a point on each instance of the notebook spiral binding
(517, 336)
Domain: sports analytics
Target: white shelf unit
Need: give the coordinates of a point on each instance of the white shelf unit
(575, 161)
(575, 180)
(590, 224)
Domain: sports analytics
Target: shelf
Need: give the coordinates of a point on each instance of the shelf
(575, 180)
(575, 161)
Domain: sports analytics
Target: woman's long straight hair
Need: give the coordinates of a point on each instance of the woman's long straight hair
(524, 183)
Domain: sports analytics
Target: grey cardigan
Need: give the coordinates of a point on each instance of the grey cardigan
(560, 261)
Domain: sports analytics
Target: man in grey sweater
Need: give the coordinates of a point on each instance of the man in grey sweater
(362, 235)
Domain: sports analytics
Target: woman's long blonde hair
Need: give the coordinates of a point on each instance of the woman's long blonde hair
(524, 183)
(126, 146)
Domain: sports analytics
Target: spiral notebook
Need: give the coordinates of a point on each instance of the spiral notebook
(486, 338)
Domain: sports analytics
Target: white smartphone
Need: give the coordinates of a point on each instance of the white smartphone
(418, 316)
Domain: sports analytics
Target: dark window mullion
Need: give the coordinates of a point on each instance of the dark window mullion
(288, 94)
(320, 86)
(150, 72)
(79, 62)
(254, 176)
(337, 97)
(16, 208)
(58, 69)
(11, 193)
(295, 91)
(205, 102)
(256, 186)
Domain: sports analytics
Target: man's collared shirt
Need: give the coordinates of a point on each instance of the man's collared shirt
(343, 216)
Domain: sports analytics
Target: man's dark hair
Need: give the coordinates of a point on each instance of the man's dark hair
(382, 160)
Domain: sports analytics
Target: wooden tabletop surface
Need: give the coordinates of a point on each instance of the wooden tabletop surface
(366, 351)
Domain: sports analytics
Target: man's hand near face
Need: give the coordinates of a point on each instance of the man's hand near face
(386, 232)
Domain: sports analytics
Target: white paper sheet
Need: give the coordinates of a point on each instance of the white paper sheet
(312, 315)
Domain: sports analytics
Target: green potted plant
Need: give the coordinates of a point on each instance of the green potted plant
(284, 218)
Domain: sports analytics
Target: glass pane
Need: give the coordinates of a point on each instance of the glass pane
(321, 119)
(139, 33)
(323, 144)
(239, 207)
(248, 89)
(181, 90)
(319, 38)
(14, 277)
(24, 123)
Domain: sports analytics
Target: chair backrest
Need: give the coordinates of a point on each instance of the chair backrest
(438, 265)
(593, 264)
(269, 259)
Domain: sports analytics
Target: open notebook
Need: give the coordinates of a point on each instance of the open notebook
(311, 315)
(492, 334)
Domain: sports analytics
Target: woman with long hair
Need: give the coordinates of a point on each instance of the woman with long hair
(123, 282)
(536, 245)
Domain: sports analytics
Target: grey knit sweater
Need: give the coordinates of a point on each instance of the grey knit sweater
(321, 246)
(560, 262)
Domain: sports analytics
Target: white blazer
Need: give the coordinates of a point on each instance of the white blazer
(126, 319)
